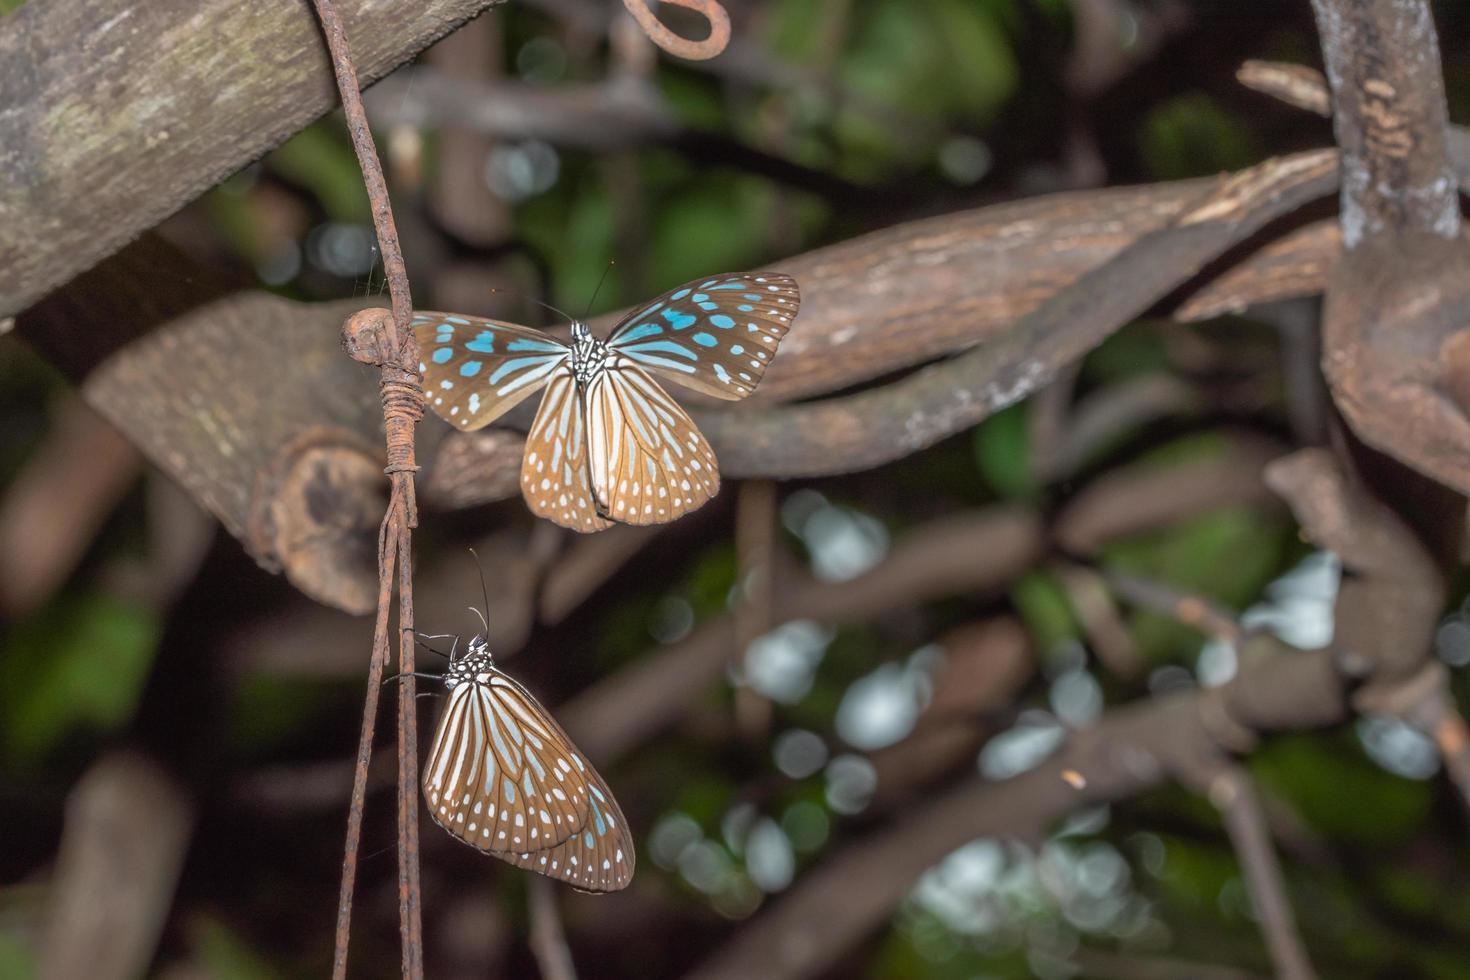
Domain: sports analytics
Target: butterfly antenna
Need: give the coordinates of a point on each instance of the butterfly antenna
(484, 592)
(598, 289)
(410, 673)
(546, 306)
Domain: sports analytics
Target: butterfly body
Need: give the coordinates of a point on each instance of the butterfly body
(503, 777)
(608, 443)
(589, 354)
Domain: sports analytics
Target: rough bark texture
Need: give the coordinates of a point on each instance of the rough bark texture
(1389, 114)
(244, 398)
(1396, 348)
(235, 386)
(118, 112)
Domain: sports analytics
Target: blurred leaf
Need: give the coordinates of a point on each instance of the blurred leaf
(1136, 349)
(16, 962)
(6, 7)
(711, 226)
(1003, 453)
(695, 101)
(319, 159)
(225, 955)
(81, 662)
(1045, 609)
(936, 58)
(1327, 781)
(1229, 555)
(1194, 136)
(1196, 872)
(267, 710)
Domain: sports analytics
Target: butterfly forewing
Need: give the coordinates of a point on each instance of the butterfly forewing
(716, 335)
(649, 463)
(599, 858)
(500, 774)
(476, 370)
(554, 470)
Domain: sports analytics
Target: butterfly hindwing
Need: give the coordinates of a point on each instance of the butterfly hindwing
(715, 335)
(649, 462)
(500, 774)
(476, 370)
(554, 470)
(598, 859)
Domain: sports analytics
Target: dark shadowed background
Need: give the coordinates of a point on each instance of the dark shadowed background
(793, 690)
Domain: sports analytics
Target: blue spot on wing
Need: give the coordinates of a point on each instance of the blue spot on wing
(483, 344)
(470, 368)
(638, 333)
(527, 343)
(653, 360)
(516, 364)
(705, 340)
(679, 320)
(442, 355)
(664, 346)
(722, 321)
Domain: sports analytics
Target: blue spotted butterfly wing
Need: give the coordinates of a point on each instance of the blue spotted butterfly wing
(715, 335)
(476, 370)
(600, 857)
(649, 462)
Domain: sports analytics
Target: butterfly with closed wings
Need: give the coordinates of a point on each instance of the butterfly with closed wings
(503, 777)
(608, 444)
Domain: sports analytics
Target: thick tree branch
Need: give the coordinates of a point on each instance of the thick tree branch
(881, 302)
(121, 111)
(1396, 350)
(874, 427)
(1389, 114)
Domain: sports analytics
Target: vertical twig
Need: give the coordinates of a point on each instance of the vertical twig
(392, 349)
(548, 941)
(1234, 795)
(364, 757)
(755, 550)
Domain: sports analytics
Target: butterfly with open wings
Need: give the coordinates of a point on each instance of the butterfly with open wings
(608, 443)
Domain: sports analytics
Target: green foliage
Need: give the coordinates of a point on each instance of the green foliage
(16, 962)
(1329, 781)
(269, 710)
(1194, 136)
(1003, 453)
(225, 955)
(81, 663)
(1228, 555)
(320, 159)
(1044, 607)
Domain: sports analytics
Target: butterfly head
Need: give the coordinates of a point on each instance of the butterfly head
(580, 331)
(475, 665)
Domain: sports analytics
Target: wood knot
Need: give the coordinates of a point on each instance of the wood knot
(314, 513)
(365, 336)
